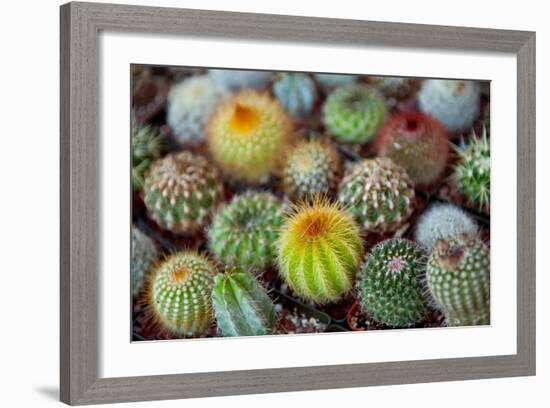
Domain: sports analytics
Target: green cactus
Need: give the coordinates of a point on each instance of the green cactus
(331, 81)
(243, 232)
(378, 193)
(180, 293)
(181, 191)
(392, 285)
(242, 306)
(144, 254)
(146, 147)
(354, 113)
(458, 276)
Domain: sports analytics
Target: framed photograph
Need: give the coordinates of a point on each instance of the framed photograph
(261, 203)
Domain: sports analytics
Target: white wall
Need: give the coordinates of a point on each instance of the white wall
(29, 202)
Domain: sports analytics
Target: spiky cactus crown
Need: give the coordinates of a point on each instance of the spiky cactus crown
(180, 192)
(247, 135)
(458, 276)
(354, 113)
(472, 173)
(442, 221)
(378, 193)
(311, 167)
(242, 306)
(239, 79)
(146, 147)
(418, 143)
(392, 285)
(243, 233)
(319, 251)
(190, 103)
(454, 103)
(329, 81)
(180, 293)
(296, 93)
(144, 254)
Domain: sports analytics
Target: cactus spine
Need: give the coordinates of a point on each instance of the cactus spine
(146, 147)
(144, 254)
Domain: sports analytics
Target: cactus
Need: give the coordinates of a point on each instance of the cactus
(146, 147)
(454, 103)
(378, 193)
(392, 285)
(354, 113)
(416, 142)
(397, 88)
(319, 251)
(144, 254)
(239, 79)
(180, 293)
(181, 191)
(190, 103)
(296, 93)
(443, 221)
(472, 173)
(248, 134)
(312, 167)
(458, 276)
(243, 233)
(242, 306)
(330, 81)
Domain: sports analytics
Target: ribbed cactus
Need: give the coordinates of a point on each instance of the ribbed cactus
(311, 167)
(242, 306)
(180, 192)
(180, 293)
(392, 285)
(320, 249)
(354, 113)
(442, 221)
(330, 81)
(248, 134)
(146, 147)
(144, 254)
(190, 103)
(243, 232)
(240, 79)
(296, 93)
(454, 103)
(395, 87)
(416, 142)
(378, 193)
(472, 173)
(458, 276)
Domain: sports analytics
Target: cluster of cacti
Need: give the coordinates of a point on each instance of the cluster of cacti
(378, 193)
(472, 172)
(454, 103)
(392, 284)
(242, 306)
(311, 167)
(180, 293)
(190, 103)
(458, 275)
(243, 233)
(319, 250)
(395, 87)
(146, 146)
(331, 81)
(354, 113)
(240, 79)
(296, 93)
(418, 143)
(181, 191)
(247, 135)
(143, 254)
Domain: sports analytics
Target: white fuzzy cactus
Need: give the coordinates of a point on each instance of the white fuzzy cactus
(237, 79)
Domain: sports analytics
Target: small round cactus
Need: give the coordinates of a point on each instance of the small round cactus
(312, 167)
(418, 143)
(146, 147)
(454, 103)
(181, 191)
(296, 93)
(378, 193)
(442, 221)
(472, 173)
(180, 293)
(243, 233)
(144, 254)
(247, 136)
(392, 286)
(330, 81)
(319, 251)
(190, 103)
(458, 276)
(397, 88)
(242, 306)
(354, 113)
(239, 79)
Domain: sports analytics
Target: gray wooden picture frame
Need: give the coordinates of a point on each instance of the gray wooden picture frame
(81, 24)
